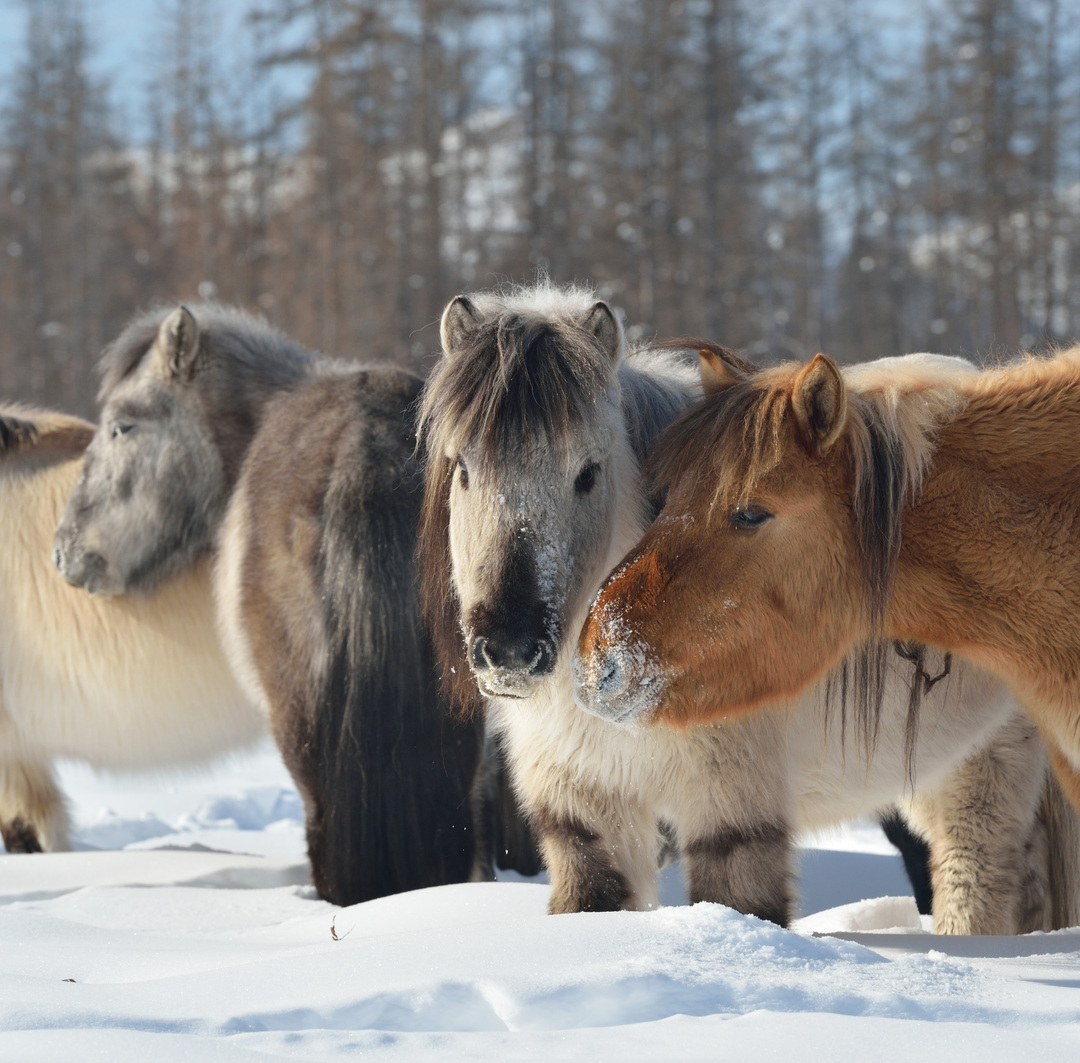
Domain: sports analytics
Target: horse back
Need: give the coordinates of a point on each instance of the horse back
(329, 603)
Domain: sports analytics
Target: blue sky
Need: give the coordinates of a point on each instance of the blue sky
(122, 39)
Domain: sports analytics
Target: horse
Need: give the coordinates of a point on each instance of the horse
(120, 683)
(835, 510)
(534, 425)
(224, 443)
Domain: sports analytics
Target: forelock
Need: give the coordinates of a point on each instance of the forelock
(529, 376)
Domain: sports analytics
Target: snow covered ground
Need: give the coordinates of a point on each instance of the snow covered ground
(201, 941)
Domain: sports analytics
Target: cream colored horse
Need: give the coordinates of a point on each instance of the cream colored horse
(122, 683)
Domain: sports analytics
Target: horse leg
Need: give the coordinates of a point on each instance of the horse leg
(1058, 814)
(989, 850)
(601, 852)
(503, 839)
(747, 867)
(732, 818)
(33, 813)
(915, 853)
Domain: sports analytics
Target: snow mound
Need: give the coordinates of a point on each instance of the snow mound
(880, 914)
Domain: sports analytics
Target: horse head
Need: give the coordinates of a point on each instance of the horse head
(771, 559)
(521, 422)
(179, 400)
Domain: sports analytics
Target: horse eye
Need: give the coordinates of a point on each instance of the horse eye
(586, 480)
(463, 475)
(750, 517)
(121, 428)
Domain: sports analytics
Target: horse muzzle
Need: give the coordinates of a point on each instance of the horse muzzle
(87, 571)
(510, 667)
(615, 686)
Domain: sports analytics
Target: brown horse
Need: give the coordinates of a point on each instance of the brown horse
(811, 511)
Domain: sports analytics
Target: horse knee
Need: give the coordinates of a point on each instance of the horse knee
(581, 865)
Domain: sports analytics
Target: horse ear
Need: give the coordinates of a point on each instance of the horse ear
(720, 368)
(819, 400)
(604, 325)
(177, 345)
(460, 318)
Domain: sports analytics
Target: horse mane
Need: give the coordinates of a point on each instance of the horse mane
(230, 335)
(43, 436)
(657, 383)
(894, 407)
(438, 599)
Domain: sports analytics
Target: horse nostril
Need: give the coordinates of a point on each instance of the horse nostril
(534, 656)
(478, 654)
(58, 558)
(542, 658)
(611, 680)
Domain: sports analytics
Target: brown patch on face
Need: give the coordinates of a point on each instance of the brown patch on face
(629, 597)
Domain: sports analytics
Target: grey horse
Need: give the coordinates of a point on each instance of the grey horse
(209, 418)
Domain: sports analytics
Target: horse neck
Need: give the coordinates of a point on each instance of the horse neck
(989, 563)
(236, 408)
(653, 392)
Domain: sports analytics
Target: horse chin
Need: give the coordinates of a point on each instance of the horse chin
(100, 587)
(95, 578)
(504, 683)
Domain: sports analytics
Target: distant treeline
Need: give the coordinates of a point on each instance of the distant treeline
(865, 177)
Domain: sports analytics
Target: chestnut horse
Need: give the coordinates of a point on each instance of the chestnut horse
(828, 511)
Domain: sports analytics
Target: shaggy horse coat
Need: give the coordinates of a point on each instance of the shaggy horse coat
(315, 581)
(124, 683)
(906, 501)
(535, 425)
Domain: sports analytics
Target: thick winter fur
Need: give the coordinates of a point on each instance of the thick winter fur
(532, 494)
(978, 550)
(318, 596)
(316, 586)
(124, 683)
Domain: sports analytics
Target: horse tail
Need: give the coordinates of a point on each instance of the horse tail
(15, 432)
(1063, 838)
(394, 769)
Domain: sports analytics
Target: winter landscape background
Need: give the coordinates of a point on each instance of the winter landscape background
(865, 177)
